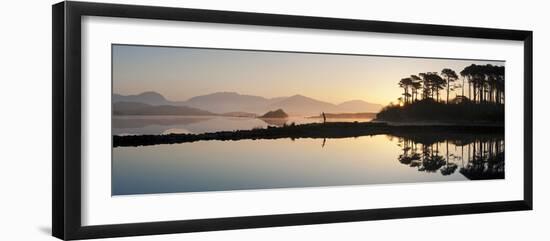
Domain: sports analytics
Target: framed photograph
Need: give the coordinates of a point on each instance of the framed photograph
(169, 120)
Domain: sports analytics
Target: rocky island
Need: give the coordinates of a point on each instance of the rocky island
(279, 113)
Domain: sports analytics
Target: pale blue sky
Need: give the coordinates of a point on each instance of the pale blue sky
(181, 73)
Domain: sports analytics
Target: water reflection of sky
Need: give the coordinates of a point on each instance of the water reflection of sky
(260, 164)
(286, 163)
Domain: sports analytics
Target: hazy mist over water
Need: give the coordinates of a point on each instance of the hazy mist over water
(154, 125)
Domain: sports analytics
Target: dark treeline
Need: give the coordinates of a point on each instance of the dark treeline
(477, 158)
(478, 96)
(430, 110)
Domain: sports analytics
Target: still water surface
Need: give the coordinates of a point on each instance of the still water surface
(133, 125)
(286, 163)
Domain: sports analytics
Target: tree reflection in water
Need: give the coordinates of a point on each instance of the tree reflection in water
(475, 157)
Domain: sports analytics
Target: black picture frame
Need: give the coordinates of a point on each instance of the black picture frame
(66, 75)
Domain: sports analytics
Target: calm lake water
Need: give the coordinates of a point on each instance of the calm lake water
(132, 125)
(286, 163)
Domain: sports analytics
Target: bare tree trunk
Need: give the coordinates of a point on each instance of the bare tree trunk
(463, 86)
(469, 152)
(469, 90)
(474, 92)
(448, 91)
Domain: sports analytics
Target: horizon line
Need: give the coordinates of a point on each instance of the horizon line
(157, 92)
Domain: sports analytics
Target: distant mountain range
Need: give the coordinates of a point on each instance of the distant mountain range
(150, 97)
(136, 108)
(231, 102)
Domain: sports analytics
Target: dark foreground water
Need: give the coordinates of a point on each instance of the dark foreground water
(285, 163)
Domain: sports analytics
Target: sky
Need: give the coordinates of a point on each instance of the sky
(180, 73)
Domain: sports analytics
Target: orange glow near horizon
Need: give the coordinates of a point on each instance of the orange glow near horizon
(181, 73)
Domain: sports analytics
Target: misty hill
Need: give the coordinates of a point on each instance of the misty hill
(149, 97)
(275, 114)
(227, 102)
(356, 106)
(295, 105)
(134, 108)
(299, 104)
